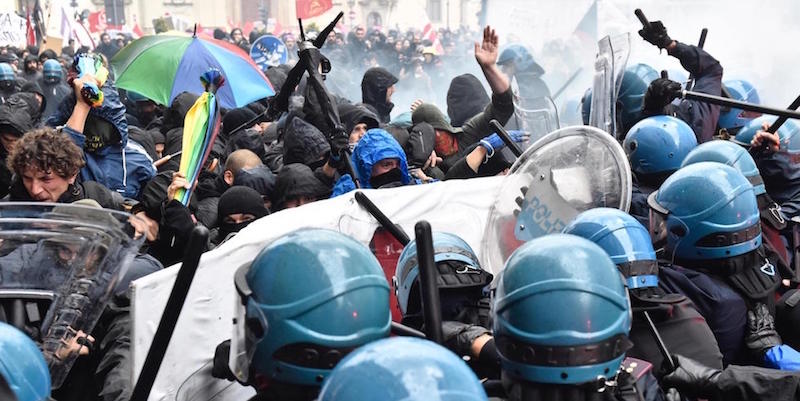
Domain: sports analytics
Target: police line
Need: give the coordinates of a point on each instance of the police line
(459, 206)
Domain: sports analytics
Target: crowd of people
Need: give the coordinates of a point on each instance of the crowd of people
(706, 257)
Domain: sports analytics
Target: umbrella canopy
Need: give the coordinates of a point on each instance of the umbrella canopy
(160, 67)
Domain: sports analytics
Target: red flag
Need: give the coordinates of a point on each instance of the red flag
(30, 34)
(97, 21)
(312, 8)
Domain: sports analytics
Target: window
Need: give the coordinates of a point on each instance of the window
(373, 19)
(435, 10)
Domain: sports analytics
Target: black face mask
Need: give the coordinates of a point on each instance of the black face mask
(390, 179)
(226, 229)
(6, 85)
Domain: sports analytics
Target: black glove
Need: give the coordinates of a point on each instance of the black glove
(176, 217)
(458, 337)
(660, 93)
(761, 335)
(220, 368)
(691, 378)
(339, 142)
(656, 35)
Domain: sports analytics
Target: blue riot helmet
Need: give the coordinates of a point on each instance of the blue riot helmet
(541, 343)
(658, 145)
(459, 269)
(731, 154)
(306, 301)
(628, 244)
(7, 76)
(707, 217)
(705, 211)
(630, 98)
(402, 369)
(23, 370)
(586, 106)
(51, 71)
(733, 119)
(522, 60)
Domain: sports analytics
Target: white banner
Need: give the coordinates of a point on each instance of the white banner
(458, 206)
(12, 30)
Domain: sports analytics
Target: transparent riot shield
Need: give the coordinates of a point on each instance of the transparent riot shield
(609, 69)
(538, 116)
(202, 386)
(77, 254)
(568, 171)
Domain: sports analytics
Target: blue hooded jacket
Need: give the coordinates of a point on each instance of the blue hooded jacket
(374, 146)
(122, 167)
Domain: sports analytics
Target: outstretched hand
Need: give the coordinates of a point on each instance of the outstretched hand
(486, 52)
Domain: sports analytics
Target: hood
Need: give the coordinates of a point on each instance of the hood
(234, 119)
(296, 180)
(304, 143)
(246, 139)
(354, 114)
(374, 146)
(373, 87)
(106, 125)
(277, 77)
(176, 112)
(15, 116)
(259, 178)
(465, 98)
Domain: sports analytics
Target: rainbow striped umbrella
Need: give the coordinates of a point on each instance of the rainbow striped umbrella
(160, 67)
(200, 129)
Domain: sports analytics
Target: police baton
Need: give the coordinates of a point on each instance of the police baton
(782, 119)
(726, 102)
(642, 18)
(396, 231)
(503, 134)
(659, 341)
(198, 240)
(428, 275)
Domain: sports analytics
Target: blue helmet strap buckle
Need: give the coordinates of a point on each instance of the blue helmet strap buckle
(644, 281)
(563, 356)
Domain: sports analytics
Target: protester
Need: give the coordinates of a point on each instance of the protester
(715, 273)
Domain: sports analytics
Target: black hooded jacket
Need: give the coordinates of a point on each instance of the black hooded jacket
(465, 99)
(373, 91)
(354, 114)
(304, 143)
(296, 180)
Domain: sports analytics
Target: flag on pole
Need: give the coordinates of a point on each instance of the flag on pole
(586, 30)
(39, 26)
(30, 33)
(312, 8)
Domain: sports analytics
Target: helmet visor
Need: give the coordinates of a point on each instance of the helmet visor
(657, 226)
(249, 326)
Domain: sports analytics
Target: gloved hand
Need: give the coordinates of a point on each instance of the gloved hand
(219, 368)
(660, 93)
(494, 143)
(760, 335)
(656, 35)
(458, 337)
(691, 378)
(339, 142)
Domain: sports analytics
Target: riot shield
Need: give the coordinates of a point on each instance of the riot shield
(537, 116)
(609, 68)
(566, 172)
(77, 253)
(202, 386)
